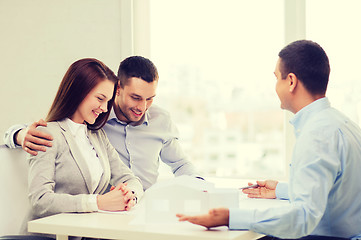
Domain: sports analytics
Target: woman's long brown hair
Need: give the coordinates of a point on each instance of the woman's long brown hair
(81, 77)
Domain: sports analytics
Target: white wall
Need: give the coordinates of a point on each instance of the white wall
(39, 39)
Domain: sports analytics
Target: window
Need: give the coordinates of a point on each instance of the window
(216, 61)
(337, 31)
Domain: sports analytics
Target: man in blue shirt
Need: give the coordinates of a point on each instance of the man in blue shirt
(324, 187)
(141, 133)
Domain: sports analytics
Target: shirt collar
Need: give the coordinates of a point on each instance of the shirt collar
(301, 117)
(143, 120)
(75, 128)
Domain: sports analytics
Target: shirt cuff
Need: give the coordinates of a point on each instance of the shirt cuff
(282, 190)
(9, 135)
(240, 219)
(90, 203)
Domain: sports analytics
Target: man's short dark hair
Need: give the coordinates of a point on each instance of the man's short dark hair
(309, 62)
(139, 67)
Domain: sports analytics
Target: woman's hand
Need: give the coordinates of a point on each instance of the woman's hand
(119, 198)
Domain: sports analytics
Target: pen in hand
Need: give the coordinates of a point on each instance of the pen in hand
(251, 186)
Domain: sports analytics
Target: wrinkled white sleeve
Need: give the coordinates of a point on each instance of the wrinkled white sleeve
(9, 135)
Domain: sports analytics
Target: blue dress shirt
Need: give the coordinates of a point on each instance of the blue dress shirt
(324, 188)
(141, 145)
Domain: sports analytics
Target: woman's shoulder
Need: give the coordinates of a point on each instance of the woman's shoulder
(52, 128)
(55, 130)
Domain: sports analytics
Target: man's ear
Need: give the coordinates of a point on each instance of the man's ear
(119, 88)
(292, 81)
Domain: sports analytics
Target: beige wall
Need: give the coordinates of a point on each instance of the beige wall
(39, 39)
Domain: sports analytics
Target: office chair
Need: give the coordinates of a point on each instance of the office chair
(25, 237)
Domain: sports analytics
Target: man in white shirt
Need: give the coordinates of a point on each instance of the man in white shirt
(141, 133)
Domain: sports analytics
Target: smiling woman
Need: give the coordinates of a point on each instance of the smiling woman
(80, 83)
(95, 103)
(73, 174)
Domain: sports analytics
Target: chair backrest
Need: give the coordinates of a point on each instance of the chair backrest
(14, 203)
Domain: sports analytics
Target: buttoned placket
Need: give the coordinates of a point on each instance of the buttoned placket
(128, 144)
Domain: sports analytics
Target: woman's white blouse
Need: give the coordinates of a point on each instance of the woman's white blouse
(79, 132)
